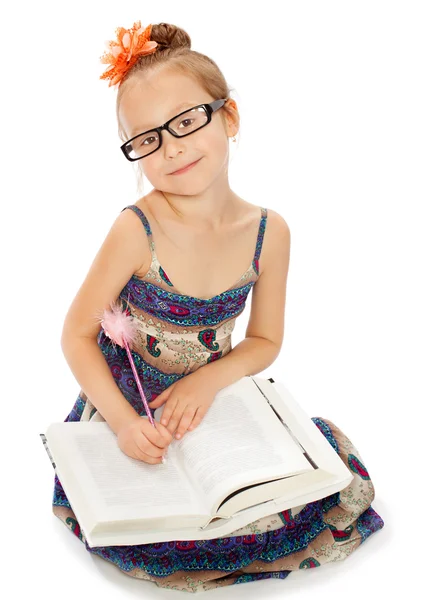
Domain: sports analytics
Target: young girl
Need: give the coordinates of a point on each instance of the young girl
(183, 260)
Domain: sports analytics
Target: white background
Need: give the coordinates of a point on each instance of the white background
(330, 96)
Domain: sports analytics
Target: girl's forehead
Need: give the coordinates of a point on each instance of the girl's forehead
(150, 103)
(165, 85)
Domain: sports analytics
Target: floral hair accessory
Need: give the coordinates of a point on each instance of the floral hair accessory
(123, 53)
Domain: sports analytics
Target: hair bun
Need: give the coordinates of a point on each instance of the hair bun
(170, 36)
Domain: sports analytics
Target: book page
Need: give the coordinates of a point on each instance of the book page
(240, 441)
(116, 485)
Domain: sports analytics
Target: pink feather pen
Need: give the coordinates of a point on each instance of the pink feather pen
(121, 328)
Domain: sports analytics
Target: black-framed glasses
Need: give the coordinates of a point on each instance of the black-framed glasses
(187, 122)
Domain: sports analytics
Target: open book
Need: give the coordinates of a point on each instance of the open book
(255, 453)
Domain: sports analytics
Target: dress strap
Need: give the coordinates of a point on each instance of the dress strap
(146, 224)
(260, 235)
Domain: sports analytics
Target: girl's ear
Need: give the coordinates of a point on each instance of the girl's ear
(231, 117)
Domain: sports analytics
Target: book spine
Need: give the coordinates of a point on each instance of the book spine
(212, 519)
(278, 415)
(308, 457)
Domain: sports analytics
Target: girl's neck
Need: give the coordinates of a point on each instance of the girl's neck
(206, 213)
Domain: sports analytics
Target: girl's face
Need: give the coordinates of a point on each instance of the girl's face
(154, 100)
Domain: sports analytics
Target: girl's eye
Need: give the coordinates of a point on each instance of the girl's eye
(151, 137)
(189, 121)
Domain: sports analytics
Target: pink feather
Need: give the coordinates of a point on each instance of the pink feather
(119, 325)
(121, 328)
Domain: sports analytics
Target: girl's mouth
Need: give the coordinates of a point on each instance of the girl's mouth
(185, 169)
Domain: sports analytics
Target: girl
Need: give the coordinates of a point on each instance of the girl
(166, 259)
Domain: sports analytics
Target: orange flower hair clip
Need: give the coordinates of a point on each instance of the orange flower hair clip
(123, 53)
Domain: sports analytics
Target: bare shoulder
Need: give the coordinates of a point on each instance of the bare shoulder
(277, 238)
(131, 228)
(276, 223)
(120, 255)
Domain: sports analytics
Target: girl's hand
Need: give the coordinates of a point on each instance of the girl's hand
(139, 439)
(187, 401)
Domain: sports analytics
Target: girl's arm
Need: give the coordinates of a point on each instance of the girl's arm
(266, 325)
(92, 372)
(124, 251)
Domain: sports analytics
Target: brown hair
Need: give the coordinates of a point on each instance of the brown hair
(174, 51)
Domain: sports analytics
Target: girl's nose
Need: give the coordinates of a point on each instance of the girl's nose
(171, 144)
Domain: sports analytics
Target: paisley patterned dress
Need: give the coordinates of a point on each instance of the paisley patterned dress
(177, 335)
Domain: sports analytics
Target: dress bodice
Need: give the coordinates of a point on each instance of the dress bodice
(177, 333)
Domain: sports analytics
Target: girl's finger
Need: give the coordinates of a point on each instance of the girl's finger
(175, 418)
(154, 436)
(146, 447)
(150, 459)
(191, 426)
(168, 410)
(166, 435)
(197, 419)
(140, 454)
(185, 421)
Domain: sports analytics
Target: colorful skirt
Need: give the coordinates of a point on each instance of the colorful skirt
(303, 537)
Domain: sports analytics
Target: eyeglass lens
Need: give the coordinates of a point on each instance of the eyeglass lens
(186, 123)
